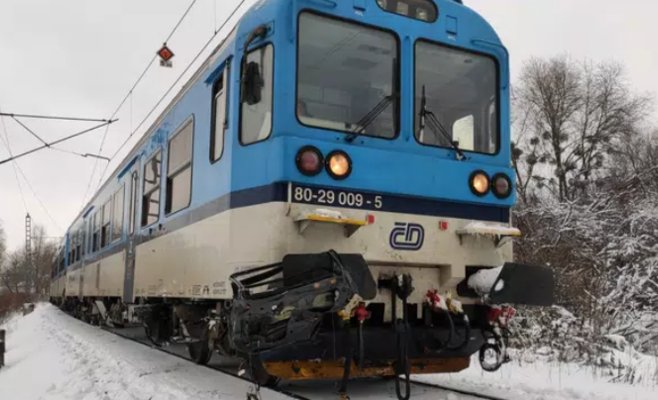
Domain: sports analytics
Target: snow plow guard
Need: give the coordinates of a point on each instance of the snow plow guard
(523, 284)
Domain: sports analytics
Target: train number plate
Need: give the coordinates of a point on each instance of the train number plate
(336, 197)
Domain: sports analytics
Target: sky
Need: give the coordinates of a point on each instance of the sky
(81, 57)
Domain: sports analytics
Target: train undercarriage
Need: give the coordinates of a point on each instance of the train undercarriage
(311, 317)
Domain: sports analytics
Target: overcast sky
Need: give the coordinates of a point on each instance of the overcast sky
(80, 57)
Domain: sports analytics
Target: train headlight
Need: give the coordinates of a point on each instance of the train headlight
(339, 164)
(501, 186)
(479, 183)
(309, 161)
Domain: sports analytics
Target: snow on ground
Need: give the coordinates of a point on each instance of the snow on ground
(545, 381)
(52, 356)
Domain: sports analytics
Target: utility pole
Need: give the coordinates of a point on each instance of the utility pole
(28, 247)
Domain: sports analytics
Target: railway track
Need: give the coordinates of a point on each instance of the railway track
(361, 389)
(144, 341)
(460, 391)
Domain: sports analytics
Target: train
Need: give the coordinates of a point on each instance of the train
(317, 198)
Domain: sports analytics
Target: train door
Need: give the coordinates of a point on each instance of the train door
(129, 279)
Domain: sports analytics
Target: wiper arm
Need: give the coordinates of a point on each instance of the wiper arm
(435, 124)
(370, 117)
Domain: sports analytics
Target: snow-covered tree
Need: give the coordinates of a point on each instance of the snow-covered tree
(568, 118)
(587, 166)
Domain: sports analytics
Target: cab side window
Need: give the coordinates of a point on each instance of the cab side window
(256, 95)
(220, 113)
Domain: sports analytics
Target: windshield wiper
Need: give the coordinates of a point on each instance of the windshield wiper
(370, 117)
(428, 116)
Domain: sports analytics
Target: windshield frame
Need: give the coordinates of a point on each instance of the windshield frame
(397, 104)
(499, 123)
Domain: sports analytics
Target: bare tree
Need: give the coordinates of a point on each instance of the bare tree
(43, 254)
(23, 274)
(3, 249)
(569, 117)
(3, 246)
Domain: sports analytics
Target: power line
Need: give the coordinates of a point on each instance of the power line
(18, 169)
(47, 145)
(18, 182)
(93, 172)
(34, 193)
(33, 116)
(29, 130)
(180, 20)
(205, 46)
(148, 67)
(85, 155)
(129, 95)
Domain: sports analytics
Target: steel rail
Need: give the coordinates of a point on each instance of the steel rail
(460, 391)
(218, 369)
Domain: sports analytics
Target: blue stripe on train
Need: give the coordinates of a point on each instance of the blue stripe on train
(391, 203)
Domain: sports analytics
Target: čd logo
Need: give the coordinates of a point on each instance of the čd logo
(407, 236)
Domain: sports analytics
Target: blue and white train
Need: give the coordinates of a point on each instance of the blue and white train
(317, 196)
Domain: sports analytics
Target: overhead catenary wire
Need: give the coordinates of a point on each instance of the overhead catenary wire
(29, 130)
(6, 142)
(129, 95)
(171, 87)
(47, 145)
(33, 116)
(85, 155)
(18, 169)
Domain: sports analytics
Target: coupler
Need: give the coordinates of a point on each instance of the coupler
(284, 303)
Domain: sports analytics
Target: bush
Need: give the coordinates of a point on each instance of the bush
(11, 302)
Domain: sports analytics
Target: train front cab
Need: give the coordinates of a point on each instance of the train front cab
(389, 139)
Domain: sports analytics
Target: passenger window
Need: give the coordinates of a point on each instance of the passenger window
(133, 200)
(179, 169)
(220, 112)
(96, 236)
(72, 244)
(256, 118)
(107, 219)
(151, 190)
(463, 131)
(117, 220)
(79, 244)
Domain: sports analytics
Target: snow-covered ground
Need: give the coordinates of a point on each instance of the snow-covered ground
(542, 381)
(52, 356)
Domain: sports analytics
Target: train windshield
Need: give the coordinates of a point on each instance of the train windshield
(346, 72)
(461, 90)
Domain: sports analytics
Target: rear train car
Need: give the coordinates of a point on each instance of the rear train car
(316, 197)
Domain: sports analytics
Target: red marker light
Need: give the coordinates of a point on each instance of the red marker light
(370, 218)
(165, 53)
(309, 161)
(443, 225)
